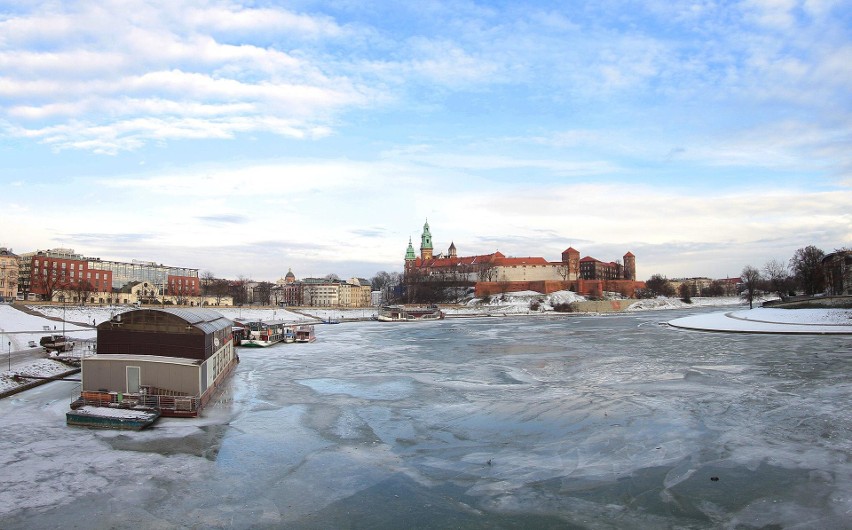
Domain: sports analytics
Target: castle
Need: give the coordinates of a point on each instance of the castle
(496, 273)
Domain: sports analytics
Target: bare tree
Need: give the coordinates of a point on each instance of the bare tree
(82, 289)
(263, 292)
(238, 290)
(806, 264)
(777, 274)
(47, 279)
(380, 280)
(207, 279)
(220, 289)
(750, 280)
(564, 271)
(487, 273)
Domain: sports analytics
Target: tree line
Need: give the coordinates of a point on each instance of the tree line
(803, 273)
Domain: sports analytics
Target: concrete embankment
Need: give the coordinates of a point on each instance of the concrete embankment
(32, 383)
(814, 302)
(602, 306)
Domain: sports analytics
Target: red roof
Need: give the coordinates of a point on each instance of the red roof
(521, 261)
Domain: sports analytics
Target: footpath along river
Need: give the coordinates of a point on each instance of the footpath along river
(615, 421)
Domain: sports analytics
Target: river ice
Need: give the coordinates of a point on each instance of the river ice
(588, 422)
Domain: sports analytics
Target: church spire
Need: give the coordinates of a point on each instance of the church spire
(426, 242)
(409, 254)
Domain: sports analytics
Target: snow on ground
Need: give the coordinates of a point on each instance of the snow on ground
(771, 320)
(814, 317)
(20, 328)
(663, 303)
(107, 412)
(516, 303)
(37, 368)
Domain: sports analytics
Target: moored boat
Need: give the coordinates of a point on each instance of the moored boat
(305, 333)
(401, 313)
(170, 361)
(132, 419)
(265, 333)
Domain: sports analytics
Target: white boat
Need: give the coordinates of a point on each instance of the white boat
(264, 333)
(305, 333)
(400, 313)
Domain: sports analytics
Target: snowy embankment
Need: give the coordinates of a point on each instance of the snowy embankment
(20, 330)
(10, 380)
(768, 320)
(663, 303)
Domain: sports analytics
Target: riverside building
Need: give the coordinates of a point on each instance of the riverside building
(63, 275)
(497, 273)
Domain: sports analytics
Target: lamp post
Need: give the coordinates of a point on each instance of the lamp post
(10, 350)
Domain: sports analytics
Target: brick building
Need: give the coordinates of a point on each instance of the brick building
(837, 268)
(498, 273)
(61, 274)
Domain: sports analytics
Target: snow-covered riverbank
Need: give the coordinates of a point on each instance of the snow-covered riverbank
(20, 329)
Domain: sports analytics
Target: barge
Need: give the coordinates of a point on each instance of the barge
(401, 313)
(168, 360)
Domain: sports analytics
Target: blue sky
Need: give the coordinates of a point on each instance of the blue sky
(246, 138)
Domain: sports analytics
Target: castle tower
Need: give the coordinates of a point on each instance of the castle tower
(426, 242)
(452, 251)
(571, 258)
(409, 254)
(629, 266)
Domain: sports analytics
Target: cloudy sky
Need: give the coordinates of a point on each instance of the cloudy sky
(246, 138)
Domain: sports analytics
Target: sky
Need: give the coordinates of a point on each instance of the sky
(250, 138)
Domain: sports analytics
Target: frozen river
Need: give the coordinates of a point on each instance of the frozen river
(576, 422)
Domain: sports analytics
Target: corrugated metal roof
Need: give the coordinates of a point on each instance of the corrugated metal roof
(204, 319)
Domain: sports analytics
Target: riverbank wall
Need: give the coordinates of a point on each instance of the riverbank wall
(816, 302)
(602, 306)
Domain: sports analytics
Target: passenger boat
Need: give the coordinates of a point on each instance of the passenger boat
(305, 333)
(400, 313)
(264, 333)
(289, 335)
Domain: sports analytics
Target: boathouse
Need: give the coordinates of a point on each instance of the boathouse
(169, 359)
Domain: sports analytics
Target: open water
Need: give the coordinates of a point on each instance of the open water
(553, 422)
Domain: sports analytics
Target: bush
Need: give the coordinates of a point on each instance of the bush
(564, 307)
(535, 306)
